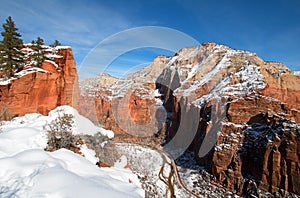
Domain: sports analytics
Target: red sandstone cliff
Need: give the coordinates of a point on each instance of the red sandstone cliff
(39, 90)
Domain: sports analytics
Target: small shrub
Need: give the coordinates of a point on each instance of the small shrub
(1, 130)
(5, 113)
(60, 133)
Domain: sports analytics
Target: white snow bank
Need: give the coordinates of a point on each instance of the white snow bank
(20, 139)
(36, 173)
(82, 125)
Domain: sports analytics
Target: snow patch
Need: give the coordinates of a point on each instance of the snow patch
(52, 62)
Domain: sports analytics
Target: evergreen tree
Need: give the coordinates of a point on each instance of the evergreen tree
(11, 56)
(39, 42)
(39, 55)
(56, 43)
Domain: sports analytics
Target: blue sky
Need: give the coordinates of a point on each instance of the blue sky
(271, 28)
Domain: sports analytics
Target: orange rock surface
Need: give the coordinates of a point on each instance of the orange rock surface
(40, 92)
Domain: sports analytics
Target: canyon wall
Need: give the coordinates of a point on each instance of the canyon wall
(248, 108)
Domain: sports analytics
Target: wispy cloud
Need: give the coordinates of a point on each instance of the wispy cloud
(122, 71)
(79, 24)
(136, 38)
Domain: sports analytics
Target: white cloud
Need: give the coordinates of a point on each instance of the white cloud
(78, 24)
(142, 37)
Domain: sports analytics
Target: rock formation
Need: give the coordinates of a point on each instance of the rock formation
(39, 90)
(245, 123)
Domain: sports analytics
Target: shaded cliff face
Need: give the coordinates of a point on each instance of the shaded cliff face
(245, 113)
(39, 90)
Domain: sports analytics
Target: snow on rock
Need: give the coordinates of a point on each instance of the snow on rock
(6, 81)
(62, 47)
(29, 71)
(53, 63)
(224, 63)
(122, 162)
(297, 73)
(250, 79)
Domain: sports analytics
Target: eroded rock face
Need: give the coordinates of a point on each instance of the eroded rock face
(39, 90)
(248, 107)
(103, 102)
(262, 116)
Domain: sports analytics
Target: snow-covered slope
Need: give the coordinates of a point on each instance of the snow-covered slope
(26, 170)
(81, 124)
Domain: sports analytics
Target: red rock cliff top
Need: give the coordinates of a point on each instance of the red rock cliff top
(39, 90)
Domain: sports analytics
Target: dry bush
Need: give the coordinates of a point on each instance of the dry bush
(60, 133)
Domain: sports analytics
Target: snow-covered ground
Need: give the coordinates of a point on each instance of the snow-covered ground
(26, 170)
(148, 163)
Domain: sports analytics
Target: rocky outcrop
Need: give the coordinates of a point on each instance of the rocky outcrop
(236, 112)
(102, 81)
(39, 90)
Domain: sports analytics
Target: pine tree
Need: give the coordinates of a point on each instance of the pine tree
(56, 43)
(39, 55)
(39, 42)
(11, 56)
